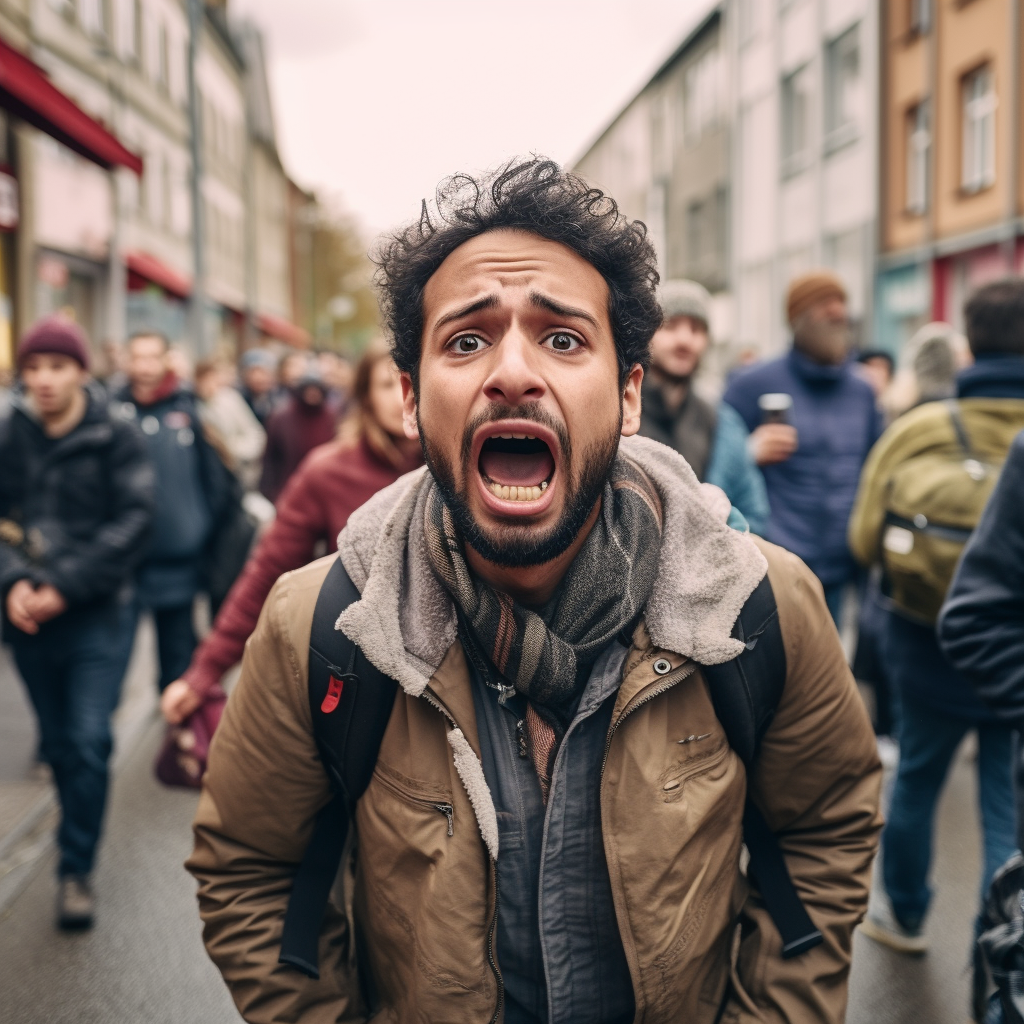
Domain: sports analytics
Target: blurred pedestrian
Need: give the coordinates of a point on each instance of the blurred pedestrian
(338, 376)
(76, 500)
(711, 437)
(194, 490)
(225, 412)
(812, 446)
(292, 367)
(305, 420)
(877, 367)
(332, 481)
(924, 487)
(259, 383)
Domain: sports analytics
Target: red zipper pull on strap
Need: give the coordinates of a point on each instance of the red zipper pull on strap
(334, 689)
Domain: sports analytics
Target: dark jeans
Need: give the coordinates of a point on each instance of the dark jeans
(175, 640)
(73, 670)
(928, 741)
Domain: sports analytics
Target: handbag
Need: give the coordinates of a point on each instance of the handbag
(181, 761)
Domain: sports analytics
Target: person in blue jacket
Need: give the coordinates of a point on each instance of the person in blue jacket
(812, 463)
(193, 495)
(712, 439)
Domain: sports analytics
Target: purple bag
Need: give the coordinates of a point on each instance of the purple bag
(182, 757)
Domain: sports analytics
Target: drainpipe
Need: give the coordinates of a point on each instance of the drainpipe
(197, 307)
(1009, 244)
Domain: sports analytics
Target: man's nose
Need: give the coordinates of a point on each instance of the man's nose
(515, 376)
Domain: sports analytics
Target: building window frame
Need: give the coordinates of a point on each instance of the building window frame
(918, 149)
(844, 78)
(978, 103)
(919, 17)
(795, 97)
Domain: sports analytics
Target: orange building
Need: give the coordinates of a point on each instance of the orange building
(952, 190)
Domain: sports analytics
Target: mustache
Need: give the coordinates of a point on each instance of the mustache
(501, 411)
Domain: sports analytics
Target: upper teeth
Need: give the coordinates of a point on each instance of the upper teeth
(518, 437)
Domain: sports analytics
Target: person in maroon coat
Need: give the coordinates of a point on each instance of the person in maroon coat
(330, 484)
(305, 421)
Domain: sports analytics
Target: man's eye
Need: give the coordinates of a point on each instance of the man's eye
(562, 342)
(468, 344)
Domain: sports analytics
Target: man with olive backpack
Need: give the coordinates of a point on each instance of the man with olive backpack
(921, 494)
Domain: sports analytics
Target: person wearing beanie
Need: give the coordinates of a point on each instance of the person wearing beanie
(76, 502)
(812, 461)
(712, 439)
(306, 420)
(260, 389)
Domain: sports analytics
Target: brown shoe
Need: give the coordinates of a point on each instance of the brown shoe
(75, 904)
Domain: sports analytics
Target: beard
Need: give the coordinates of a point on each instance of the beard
(824, 341)
(513, 545)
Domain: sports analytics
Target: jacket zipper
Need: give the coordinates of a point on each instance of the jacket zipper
(449, 812)
(434, 702)
(667, 684)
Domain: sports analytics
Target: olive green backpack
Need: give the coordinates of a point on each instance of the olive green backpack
(933, 503)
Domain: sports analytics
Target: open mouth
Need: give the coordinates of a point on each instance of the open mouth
(516, 466)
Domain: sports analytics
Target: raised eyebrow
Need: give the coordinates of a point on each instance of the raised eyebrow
(488, 302)
(545, 302)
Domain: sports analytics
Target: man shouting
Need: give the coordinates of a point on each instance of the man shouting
(554, 825)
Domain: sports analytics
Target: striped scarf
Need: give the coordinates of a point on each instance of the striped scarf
(546, 654)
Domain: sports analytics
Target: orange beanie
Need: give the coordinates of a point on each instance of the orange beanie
(808, 289)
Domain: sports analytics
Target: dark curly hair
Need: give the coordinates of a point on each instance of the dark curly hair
(534, 195)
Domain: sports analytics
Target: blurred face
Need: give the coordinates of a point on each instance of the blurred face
(259, 380)
(147, 361)
(208, 384)
(822, 332)
(678, 346)
(519, 405)
(293, 368)
(877, 373)
(385, 397)
(52, 381)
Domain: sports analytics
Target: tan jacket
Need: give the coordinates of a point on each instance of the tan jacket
(423, 902)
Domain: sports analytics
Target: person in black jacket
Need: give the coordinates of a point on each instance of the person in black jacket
(981, 628)
(76, 500)
(193, 495)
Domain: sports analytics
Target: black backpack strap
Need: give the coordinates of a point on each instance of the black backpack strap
(745, 692)
(350, 702)
(959, 427)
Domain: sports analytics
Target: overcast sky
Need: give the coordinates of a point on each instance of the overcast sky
(377, 100)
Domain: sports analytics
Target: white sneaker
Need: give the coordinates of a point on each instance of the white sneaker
(888, 752)
(882, 926)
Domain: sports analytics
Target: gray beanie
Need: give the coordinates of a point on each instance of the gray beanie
(685, 298)
(933, 360)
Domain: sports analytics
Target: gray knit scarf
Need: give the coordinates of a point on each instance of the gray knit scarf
(546, 654)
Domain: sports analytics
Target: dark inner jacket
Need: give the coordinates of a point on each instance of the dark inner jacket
(689, 429)
(76, 510)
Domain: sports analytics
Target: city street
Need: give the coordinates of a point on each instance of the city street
(144, 962)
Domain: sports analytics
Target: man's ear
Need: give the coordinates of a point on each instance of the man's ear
(409, 420)
(631, 403)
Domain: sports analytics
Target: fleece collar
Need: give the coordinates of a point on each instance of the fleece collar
(405, 621)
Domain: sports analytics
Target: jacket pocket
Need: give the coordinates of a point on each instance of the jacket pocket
(439, 804)
(674, 778)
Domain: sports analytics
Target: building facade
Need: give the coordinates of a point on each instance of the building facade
(803, 77)
(951, 187)
(113, 245)
(666, 160)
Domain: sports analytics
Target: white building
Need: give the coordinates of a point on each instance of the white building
(804, 76)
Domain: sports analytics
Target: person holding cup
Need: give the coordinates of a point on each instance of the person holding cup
(812, 420)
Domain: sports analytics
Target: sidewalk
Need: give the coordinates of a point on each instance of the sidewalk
(27, 804)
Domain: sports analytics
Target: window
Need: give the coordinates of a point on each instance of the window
(979, 130)
(163, 58)
(919, 16)
(92, 14)
(137, 28)
(919, 148)
(702, 96)
(796, 118)
(749, 19)
(843, 86)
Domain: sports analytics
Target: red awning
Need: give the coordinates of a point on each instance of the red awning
(26, 92)
(283, 330)
(153, 271)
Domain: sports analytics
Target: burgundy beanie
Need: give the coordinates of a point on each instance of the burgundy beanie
(55, 335)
